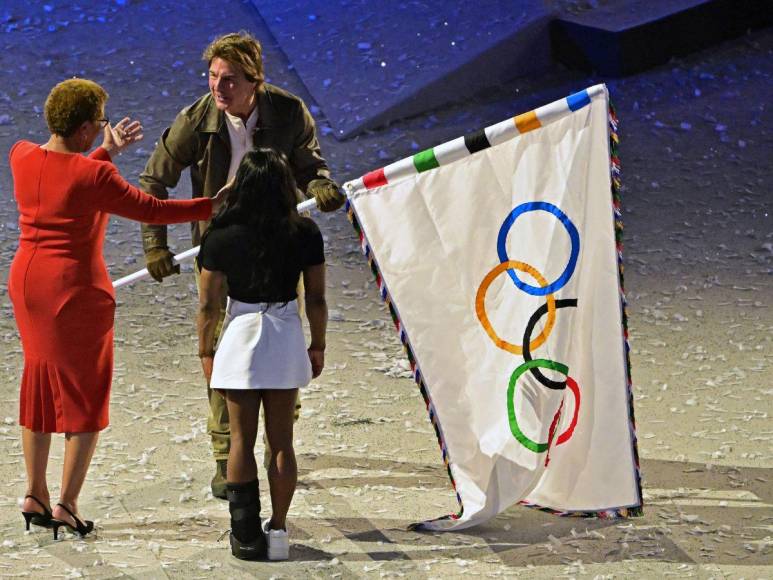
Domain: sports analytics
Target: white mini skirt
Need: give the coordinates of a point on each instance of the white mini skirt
(261, 347)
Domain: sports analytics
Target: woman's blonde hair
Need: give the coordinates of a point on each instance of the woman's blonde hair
(71, 103)
(241, 49)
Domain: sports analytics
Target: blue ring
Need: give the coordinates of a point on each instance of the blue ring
(574, 236)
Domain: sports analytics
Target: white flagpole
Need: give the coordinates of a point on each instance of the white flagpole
(307, 205)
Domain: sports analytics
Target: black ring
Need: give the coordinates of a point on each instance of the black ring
(539, 313)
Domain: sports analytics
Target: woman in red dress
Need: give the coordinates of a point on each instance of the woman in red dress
(62, 296)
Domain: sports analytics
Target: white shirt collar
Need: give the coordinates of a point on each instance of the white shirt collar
(240, 135)
(237, 123)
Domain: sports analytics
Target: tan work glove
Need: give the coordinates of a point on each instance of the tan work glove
(159, 263)
(327, 193)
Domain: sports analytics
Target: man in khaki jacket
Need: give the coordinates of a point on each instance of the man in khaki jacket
(210, 137)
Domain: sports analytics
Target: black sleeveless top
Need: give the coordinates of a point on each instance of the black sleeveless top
(227, 250)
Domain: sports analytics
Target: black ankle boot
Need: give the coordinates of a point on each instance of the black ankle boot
(247, 539)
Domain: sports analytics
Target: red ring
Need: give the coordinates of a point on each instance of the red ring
(572, 385)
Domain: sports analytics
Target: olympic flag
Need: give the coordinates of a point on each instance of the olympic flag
(499, 256)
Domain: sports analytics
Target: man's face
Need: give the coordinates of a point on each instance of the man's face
(232, 92)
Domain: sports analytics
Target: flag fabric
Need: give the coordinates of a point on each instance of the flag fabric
(499, 256)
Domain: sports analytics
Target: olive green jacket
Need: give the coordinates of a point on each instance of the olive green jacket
(199, 139)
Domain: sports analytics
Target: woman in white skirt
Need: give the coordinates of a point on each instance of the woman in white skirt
(255, 250)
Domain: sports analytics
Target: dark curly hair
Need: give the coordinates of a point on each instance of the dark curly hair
(71, 103)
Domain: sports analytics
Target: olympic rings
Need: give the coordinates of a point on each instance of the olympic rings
(574, 236)
(480, 307)
(551, 305)
(515, 428)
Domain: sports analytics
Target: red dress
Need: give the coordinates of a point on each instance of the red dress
(62, 296)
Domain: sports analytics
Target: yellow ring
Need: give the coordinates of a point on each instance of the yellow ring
(480, 306)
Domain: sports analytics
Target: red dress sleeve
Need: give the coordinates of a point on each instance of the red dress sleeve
(100, 154)
(10, 153)
(113, 194)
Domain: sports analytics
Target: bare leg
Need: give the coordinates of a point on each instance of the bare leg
(243, 411)
(78, 450)
(279, 408)
(36, 447)
(296, 416)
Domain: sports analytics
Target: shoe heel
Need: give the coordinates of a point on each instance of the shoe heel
(55, 526)
(28, 518)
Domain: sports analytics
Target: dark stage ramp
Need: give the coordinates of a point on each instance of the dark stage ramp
(367, 63)
(627, 37)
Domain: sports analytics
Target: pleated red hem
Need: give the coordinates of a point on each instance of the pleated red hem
(49, 402)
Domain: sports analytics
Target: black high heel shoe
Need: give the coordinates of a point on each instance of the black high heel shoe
(82, 528)
(36, 518)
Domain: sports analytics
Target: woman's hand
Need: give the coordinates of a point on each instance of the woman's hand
(317, 359)
(222, 195)
(206, 366)
(125, 133)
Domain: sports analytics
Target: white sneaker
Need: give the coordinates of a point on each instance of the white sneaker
(278, 542)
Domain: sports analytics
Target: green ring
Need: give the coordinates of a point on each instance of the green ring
(542, 363)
